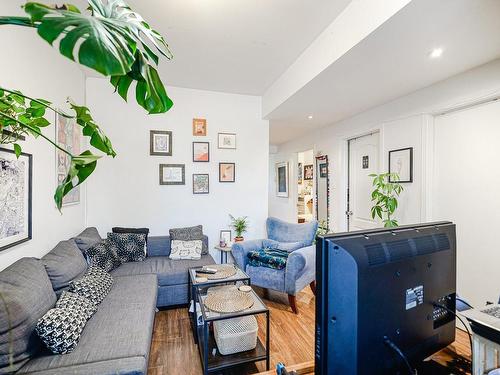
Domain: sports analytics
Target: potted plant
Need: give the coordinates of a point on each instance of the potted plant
(240, 225)
(385, 197)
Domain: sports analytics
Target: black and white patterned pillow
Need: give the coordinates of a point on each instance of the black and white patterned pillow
(93, 287)
(189, 234)
(70, 300)
(104, 254)
(60, 329)
(131, 246)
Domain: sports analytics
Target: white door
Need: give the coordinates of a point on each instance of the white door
(466, 191)
(363, 160)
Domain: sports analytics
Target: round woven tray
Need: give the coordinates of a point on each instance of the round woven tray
(223, 272)
(228, 301)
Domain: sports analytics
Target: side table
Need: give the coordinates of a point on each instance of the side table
(223, 252)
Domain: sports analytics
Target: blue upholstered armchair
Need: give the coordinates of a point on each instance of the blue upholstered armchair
(300, 266)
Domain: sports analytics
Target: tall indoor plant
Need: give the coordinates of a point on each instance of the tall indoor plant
(385, 197)
(109, 38)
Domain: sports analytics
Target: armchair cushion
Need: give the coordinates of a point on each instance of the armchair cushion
(267, 277)
(282, 231)
(285, 246)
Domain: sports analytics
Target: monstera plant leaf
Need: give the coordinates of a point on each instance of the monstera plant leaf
(111, 39)
(22, 116)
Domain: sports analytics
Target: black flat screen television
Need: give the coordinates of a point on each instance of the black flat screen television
(384, 290)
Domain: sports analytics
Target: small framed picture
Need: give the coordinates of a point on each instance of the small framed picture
(300, 171)
(201, 151)
(199, 127)
(201, 184)
(172, 174)
(227, 140)
(401, 162)
(323, 170)
(308, 172)
(160, 143)
(282, 179)
(225, 236)
(227, 172)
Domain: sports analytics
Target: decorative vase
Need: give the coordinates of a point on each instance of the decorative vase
(238, 239)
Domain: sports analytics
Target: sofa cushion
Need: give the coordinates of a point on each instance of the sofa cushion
(189, 234)
(93, 287)
(28, 295)
(60, 329)
(170, 272)
(186, 250)
(131, 247)
(131, 230)
(64, 263)
(104, 254)
(69, 300)
(120, 329)
(87, 239)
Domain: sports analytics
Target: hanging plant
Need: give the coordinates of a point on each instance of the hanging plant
(109, 38)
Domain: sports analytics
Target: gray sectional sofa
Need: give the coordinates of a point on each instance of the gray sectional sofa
(117, 339)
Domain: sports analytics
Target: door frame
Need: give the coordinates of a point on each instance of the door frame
(295, 184)
(346, 166)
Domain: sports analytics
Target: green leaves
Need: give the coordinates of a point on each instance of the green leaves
(81, 167)
(22, 116)
(90, 129)
(113, 40)
(385, 197)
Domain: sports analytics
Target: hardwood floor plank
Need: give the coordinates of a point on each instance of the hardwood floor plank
(174, 352)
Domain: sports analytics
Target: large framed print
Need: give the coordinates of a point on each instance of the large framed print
(401, 162)
(68, 136)
(160, 143)
(15, 198)
(282, 180)
(172, 174)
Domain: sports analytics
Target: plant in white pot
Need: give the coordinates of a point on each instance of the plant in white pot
(240, 226)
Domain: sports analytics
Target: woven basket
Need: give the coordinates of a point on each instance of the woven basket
(236, 335)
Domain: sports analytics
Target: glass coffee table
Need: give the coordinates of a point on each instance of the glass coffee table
(211, 359)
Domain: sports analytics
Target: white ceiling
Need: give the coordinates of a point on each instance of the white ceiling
(393, 61)
(237, 46)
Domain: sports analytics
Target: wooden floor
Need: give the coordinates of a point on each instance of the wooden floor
(174, 352)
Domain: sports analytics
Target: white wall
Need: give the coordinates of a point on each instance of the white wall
(34, 67)
(405, 122)
(455, 167)
(126, 192)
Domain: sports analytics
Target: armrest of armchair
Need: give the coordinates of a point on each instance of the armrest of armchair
(241, 249)
(300, 269)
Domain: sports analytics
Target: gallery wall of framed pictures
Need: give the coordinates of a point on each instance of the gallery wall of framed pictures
(160, 144)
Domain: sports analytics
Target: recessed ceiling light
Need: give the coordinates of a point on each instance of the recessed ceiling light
(436, 52)
(310, 117)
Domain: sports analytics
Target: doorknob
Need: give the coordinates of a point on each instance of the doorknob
(349, 213)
